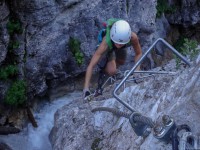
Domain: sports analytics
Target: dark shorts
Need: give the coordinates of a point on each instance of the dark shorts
(117, 54)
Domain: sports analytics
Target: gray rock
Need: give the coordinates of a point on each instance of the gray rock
(79, 128)
(187, 14)
(174, 95)
(4, 37)
(186, 18)
(44, 56)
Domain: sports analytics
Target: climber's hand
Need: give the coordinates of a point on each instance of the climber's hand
(86, 92)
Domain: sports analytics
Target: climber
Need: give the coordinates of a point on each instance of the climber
(111, 52)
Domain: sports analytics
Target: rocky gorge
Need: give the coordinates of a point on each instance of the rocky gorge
(34, 38)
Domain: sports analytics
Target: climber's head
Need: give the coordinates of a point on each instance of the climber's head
(120, 33)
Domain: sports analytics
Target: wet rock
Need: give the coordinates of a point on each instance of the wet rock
(4, 146)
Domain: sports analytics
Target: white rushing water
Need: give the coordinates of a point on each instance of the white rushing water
(38, 138)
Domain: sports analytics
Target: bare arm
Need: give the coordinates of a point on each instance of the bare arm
(97, 55)
(137, 48)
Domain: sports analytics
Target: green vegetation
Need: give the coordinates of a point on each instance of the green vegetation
(163, 7)
(8, 71)
(16, 94)
(190, 48)
(13, 45)
(14, 26)
(74, 46)
(95, 144)
(187, 48)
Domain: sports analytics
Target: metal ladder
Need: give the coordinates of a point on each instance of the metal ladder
(142, 124)
(138, 63)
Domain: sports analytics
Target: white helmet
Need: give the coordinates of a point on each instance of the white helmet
(120, 32)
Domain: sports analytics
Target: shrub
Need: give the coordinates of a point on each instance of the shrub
(74, 46)
(190, 48)
(14, 26)
(16, 94)
(163, 7)
(187, 48)
(8, 71)
(13, 45)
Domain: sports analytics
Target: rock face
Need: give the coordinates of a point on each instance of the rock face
(4, 37)
(43, 55)
(186, 17)
(187, 14)
(174, 95)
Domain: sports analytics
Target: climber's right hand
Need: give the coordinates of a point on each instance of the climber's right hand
(86, 93)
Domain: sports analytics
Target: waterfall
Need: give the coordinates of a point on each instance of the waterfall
(38, 138)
